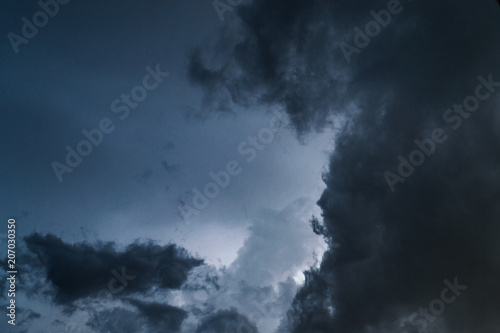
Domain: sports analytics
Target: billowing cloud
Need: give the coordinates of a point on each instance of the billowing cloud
(279, 52)
(280, 245)
(261, 283)
(83, 270)
(395, 249)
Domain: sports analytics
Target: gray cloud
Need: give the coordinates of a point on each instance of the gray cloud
(260, 283)
(280, 244)
(394, 250)
(81, 270)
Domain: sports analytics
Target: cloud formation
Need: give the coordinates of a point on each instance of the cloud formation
(261, 283)
(394, 249)
(168, 290)
(81, 270)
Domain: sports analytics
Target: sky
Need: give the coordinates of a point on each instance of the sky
(251, 166)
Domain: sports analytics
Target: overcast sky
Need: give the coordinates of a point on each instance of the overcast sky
(164, 160)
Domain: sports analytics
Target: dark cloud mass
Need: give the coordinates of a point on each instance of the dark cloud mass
(394, 249)
(272, 58)
(82, 269)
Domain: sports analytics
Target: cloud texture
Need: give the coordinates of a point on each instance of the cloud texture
(394, 249)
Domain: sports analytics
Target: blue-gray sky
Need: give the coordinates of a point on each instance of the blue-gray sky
(387, 133)
(131, 186)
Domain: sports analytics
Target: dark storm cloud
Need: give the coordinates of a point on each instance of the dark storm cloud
(394, 249)
(277, 54)
(81, 270)
(161, 317)
(226, 321)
